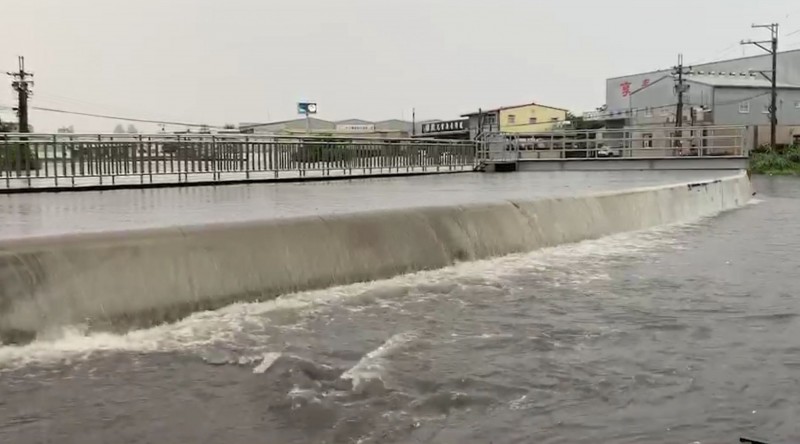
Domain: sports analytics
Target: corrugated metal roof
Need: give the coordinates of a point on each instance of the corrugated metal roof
(736, 81)
(320, 124)
(353, 122)
(313, 123)
(710, 63)
(393, 125)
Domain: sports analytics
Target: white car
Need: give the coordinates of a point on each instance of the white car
(604, 151)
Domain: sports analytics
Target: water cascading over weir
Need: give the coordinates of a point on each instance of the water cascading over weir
(124, 279)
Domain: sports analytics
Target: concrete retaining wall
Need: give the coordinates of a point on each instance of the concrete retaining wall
(125, 278)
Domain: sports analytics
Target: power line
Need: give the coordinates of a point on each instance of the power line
(129, 119)
(58, 101)
(22, 85)
(709, 59)
(731, 102)
(650, 84)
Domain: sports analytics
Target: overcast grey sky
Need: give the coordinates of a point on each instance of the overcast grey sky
(213, 61)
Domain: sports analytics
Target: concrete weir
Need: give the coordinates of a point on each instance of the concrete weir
(107, 280)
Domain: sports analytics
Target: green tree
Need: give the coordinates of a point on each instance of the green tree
(8, 127)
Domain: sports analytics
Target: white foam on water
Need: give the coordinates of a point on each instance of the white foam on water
(372, 365)
(228, 324)
(269, 359)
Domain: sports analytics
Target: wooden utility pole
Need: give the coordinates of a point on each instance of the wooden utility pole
(772, 77)
(22, 85)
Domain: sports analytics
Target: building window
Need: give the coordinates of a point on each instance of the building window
(797, 104)
(554, 119)
(512, 119)
(766, 109)
(648, 112)
(744, 107)
(532, 120)
(648, 140)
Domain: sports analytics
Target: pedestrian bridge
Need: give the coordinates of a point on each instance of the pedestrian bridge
(57, 162)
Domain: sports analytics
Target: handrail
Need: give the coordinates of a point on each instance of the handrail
(698, 141)
(237, 136)
(65, 161)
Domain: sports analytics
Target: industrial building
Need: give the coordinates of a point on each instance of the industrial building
(722, 93)
(529, 118)
(393, 128)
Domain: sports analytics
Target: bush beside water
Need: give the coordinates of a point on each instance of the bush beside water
(776, 162)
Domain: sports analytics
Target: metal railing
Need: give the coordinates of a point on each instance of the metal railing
(630, 142)
(71, 160)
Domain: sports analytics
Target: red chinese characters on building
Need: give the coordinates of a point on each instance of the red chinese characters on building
(626, 88)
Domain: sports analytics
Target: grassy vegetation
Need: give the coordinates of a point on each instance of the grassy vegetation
(776, 162)
(18, 158)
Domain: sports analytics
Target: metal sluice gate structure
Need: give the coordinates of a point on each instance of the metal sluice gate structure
(67, 161)
(636, 142)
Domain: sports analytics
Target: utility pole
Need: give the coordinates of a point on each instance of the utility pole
(22, 86)
(413, 121)
(772, 77)
(680, 88)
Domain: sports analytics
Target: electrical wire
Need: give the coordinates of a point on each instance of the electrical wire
(742, 100)
(165, 122)
(651, 84)
(63, 101)
(128, 119)
(709, 59)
